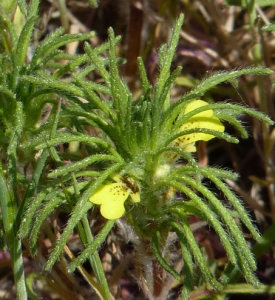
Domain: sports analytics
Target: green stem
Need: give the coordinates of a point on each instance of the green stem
(63, 15)
(13, 243)
(87, 238)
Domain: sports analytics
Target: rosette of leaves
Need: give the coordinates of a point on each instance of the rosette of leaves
(134, 143)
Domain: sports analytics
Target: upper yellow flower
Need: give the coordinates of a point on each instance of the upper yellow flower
(202, 120)
(111, 197)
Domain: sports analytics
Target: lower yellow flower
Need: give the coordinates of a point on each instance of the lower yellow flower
(111, 197)
(202, 120)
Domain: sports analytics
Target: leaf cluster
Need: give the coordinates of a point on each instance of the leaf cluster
(132, 138)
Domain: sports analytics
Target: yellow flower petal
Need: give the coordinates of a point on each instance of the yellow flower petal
(112, 198)
(202, 120)
(135, 197)
(197, 104)
(133, 187)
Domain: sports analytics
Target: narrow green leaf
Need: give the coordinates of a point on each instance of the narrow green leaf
(210, 217)
(54, 86)
(29, 213)
(225, 215)
(209, 83)
(21, 48)
(57, 40)
(82, 164)
(244, 288)
(235, 123)
(167, 57)
(33, 8)
(41, 216)
(11, 31)
(7, 92)
(143, 75)
(270, 27)
(261, 3)
(98, 63)
(81, 208)
(120, 90)
(93, 3)
(90, 249)
(30, 279)
(235, 202)
(184, 229)
(156, 249)
(188, 269)
(93, 98)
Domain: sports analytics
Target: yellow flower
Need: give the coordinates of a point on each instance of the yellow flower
(111, 197)
(202, 120)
